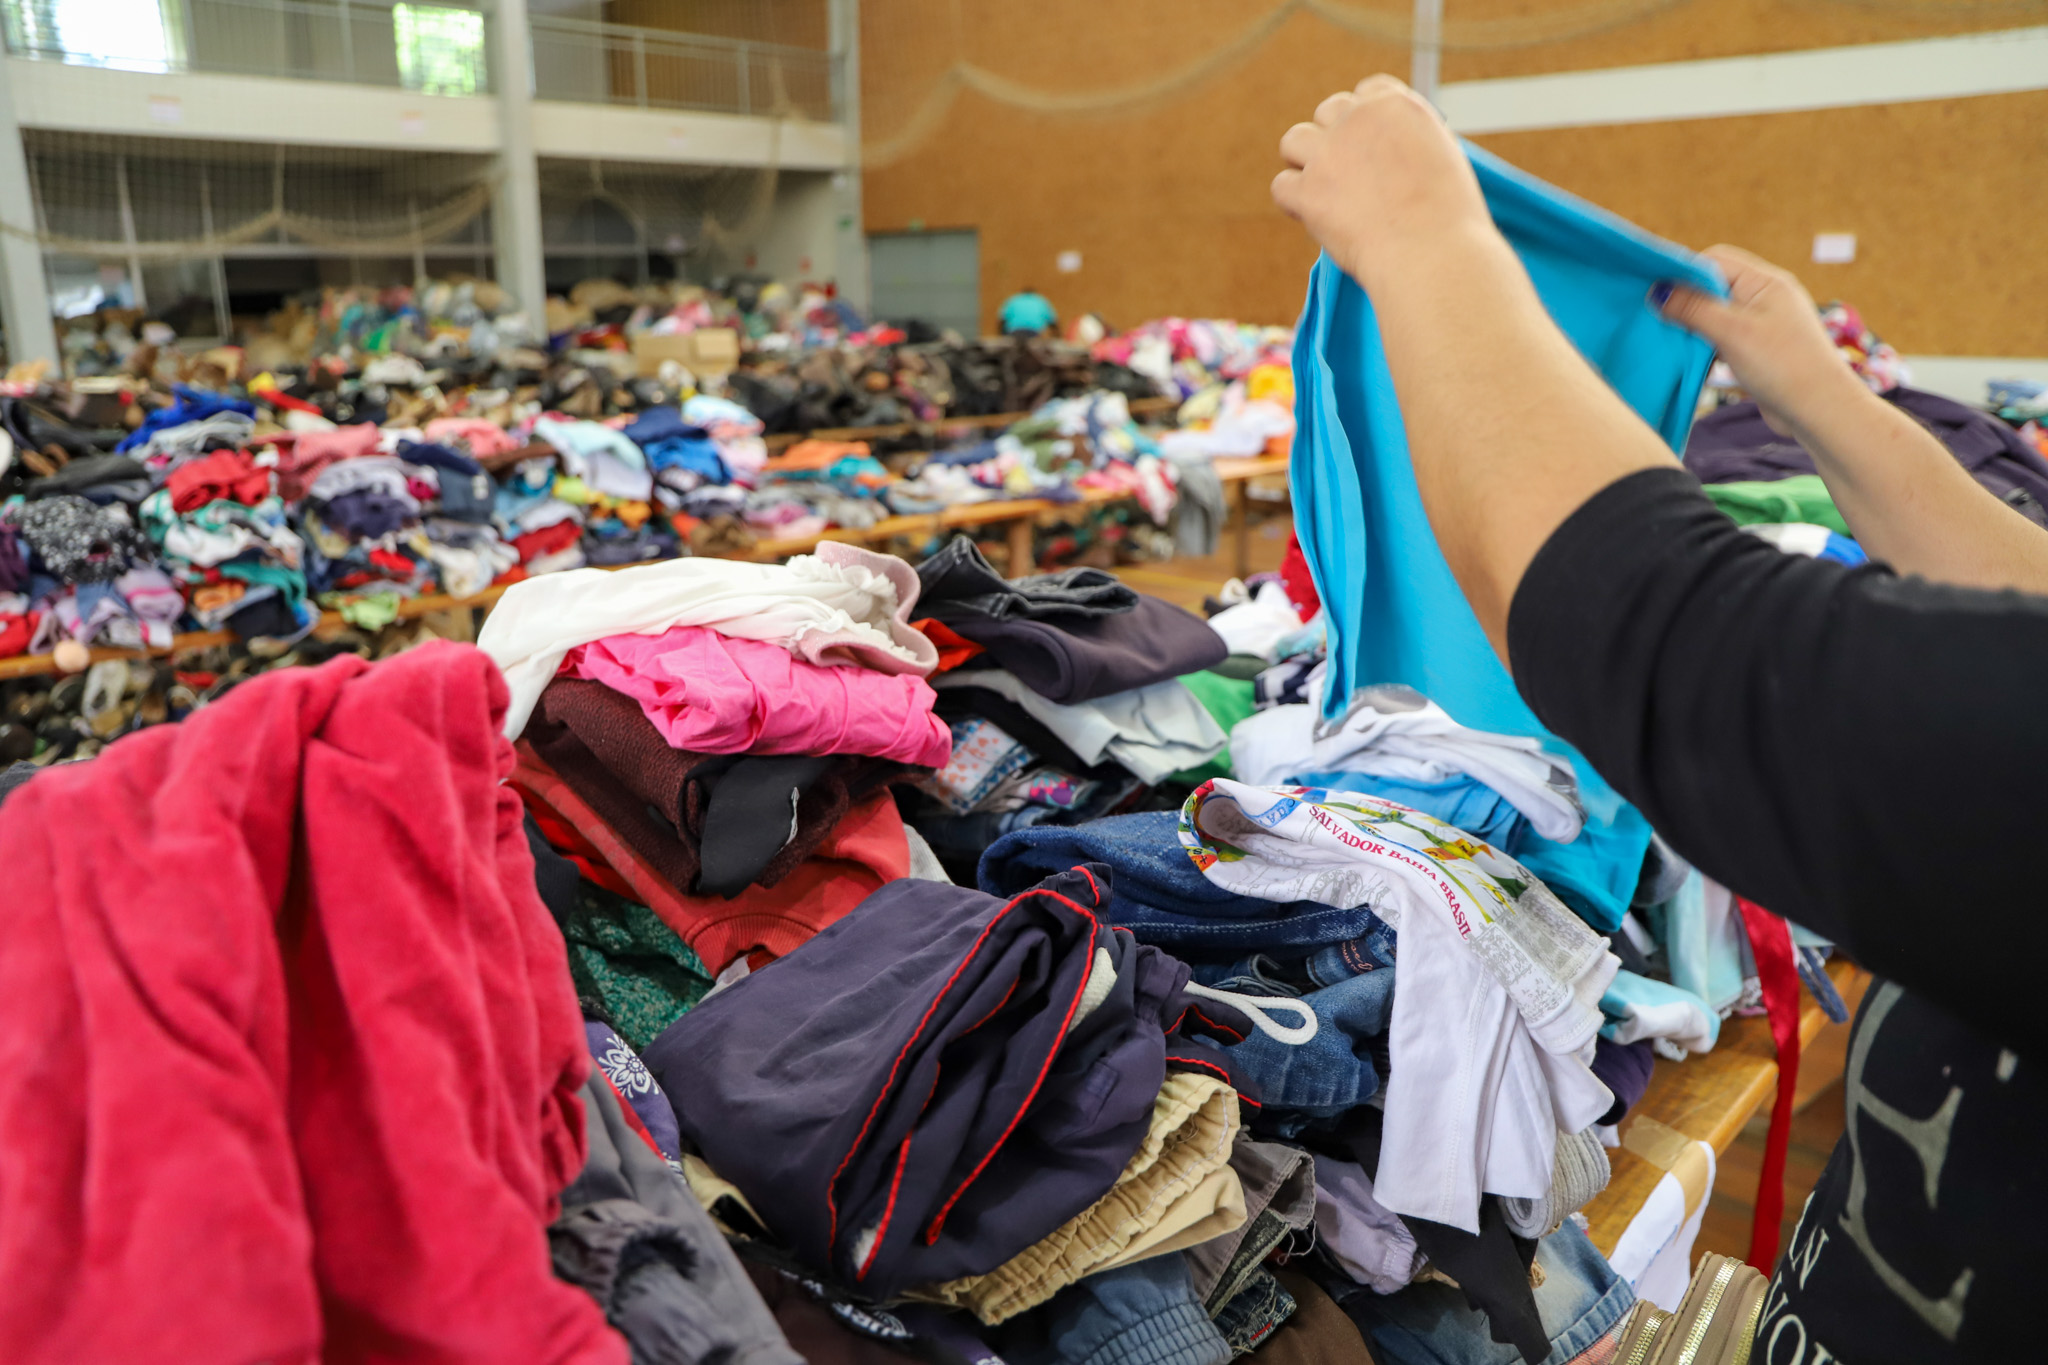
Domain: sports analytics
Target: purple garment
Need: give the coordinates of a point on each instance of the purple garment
(1075, 659)
(13, 560)
(631, 1078)
(816, 1084)
(365, 514)
(1625, 1069)
(1734, 443)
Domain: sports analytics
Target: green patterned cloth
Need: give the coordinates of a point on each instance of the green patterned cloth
(631, 970)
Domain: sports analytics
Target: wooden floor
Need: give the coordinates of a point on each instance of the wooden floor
(1185, 580)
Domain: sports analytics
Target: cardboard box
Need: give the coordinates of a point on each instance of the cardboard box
(707, 352)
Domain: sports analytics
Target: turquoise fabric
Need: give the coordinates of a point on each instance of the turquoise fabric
(1395, 612)
(1028, 313)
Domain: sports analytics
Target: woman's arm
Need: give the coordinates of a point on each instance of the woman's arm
(1859, 752)
(1908, 501)
(1509, 428)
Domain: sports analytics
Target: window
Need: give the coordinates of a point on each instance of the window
(440, 49)
(127, 35)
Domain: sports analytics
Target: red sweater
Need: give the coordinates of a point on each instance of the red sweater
(288, 1045)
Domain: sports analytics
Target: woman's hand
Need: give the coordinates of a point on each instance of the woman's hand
(1769, 332)
(1378, 178)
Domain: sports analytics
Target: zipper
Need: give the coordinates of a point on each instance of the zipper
(1643, 1343)
(1708, 1304)
(1745, 1343)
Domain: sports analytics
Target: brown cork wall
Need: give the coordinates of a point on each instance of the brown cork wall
(1168, 205)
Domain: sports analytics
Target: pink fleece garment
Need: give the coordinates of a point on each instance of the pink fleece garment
(715, 694)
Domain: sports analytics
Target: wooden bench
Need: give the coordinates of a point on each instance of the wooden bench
(1708, 1097)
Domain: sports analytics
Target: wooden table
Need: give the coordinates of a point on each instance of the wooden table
(1708, 1097)
(1140, 407)
(1238, 472)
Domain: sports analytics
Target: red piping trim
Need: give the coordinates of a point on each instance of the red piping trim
(888, 1209)
(1220, 1028)
(1082, 868)
(992, 1013)
(1223, 1075)
(938, 1222)
(889, 1082)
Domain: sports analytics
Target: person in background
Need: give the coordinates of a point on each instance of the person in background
(1027, 312)
(1860, 750)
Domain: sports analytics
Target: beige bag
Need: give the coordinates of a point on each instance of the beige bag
(1715, 1323)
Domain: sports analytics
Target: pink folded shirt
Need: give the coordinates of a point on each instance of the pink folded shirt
(716, 694)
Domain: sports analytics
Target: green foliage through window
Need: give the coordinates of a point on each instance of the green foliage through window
(440, 50)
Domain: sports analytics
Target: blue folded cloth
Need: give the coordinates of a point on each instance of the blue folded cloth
(1161, 896)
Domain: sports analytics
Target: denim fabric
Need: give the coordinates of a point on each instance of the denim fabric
(1140, 1314)
(1333, 1071)
(1581, 1300)
(1162, 897)
(1251, 1316)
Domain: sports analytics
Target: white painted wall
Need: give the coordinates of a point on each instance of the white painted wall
(620, 133)
(802, 238)
(248, 108)
(1873, 73)
(329, 113)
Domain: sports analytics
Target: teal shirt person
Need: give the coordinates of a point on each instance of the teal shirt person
(1027, 310)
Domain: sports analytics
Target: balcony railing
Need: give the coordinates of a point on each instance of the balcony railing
(651, 68)
(435, 48)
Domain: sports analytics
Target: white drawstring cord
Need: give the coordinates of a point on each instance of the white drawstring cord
(1254, 1008)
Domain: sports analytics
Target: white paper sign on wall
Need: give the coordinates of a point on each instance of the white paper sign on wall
(1834, 248)
(166, 109)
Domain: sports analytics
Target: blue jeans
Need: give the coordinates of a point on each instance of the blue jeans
(1353, 999)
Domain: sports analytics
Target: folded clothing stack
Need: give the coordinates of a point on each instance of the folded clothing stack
(1063, 694)
(709, 741)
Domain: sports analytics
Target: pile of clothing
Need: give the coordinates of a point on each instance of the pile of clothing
(1069, 445)
(1064, 696)
(253, 508)
(1767, 482)
(1181, 357)
(1136, 1084)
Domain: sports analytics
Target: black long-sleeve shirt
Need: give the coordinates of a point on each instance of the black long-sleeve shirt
(1868, 756)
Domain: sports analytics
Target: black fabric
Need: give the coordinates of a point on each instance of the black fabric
(958, 582)
(554, 876)
(1734, 442)
(1070, 659)
(1861, 753)
(832, 1331)
(752, 813)
(81, 474)
(267, 616)
(1491, 1266)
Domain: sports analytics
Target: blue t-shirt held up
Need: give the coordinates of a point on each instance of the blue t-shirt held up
(1395, 613)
